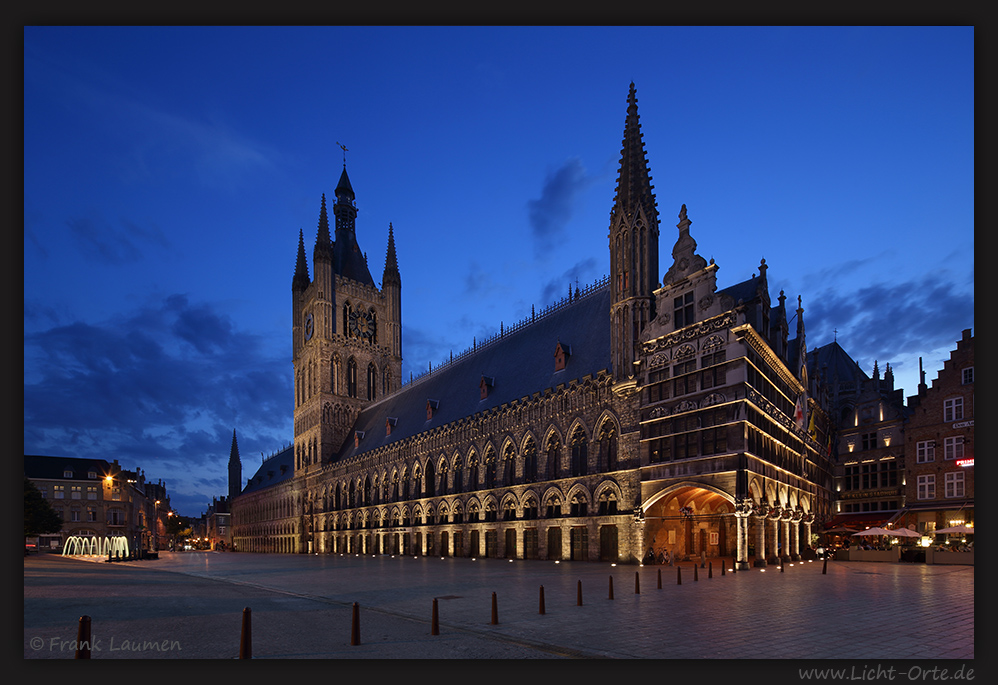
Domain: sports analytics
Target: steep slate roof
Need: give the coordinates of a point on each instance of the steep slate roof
(521, 363)
(270, 472)
(831, 359)
(53, 467)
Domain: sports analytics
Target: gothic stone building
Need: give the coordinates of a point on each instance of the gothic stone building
(635, 416)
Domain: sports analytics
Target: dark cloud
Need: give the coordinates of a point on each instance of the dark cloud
(160, 389)
(551, 212)
(886, 321)
(580, 275)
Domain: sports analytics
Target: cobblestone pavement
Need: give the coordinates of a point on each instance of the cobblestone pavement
(190, 606)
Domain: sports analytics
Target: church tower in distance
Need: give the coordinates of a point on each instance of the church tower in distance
(346, 332)
(633, 247)
(235, 469)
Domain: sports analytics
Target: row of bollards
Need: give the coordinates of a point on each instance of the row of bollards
(83, 638)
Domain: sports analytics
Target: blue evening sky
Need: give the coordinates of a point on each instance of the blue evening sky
(168, 171)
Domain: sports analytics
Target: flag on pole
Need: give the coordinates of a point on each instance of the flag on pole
(800, 411)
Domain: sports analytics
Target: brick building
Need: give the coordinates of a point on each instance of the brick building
(939, 446)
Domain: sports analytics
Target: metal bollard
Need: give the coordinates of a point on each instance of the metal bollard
(355, 625)
(434, 621)
(637, 583)
(710, 569)
(83, 638)
(695, 576)
(611, 588)
(660, 579)
(246, 637)
(578, 601)
(679, 575)
(495, 610)
(541, 601)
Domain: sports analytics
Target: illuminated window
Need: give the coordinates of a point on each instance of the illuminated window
(60, 491)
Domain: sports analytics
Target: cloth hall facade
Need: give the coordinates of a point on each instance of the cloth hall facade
(637, 415)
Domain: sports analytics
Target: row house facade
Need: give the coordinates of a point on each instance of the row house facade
(97, 498)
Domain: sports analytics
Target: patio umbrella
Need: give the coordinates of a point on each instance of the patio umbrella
(874, 531)
(967, 530)
(839, 530)
(905, 533)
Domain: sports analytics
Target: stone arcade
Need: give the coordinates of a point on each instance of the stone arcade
(634, 416)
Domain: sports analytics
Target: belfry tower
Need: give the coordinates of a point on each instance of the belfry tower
(235, 469)
(346, 332)
(633, 247)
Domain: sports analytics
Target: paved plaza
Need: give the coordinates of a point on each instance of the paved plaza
(189, 605)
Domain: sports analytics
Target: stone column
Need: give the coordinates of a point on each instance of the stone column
(785, 550)
(760, 542)
(742, 512)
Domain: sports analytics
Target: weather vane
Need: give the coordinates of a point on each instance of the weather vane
(344, 148)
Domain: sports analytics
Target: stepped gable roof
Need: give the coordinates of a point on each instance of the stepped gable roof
(276, 469)
(520, 364)
(54, 467)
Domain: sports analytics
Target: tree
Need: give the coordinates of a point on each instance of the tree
(39, 516)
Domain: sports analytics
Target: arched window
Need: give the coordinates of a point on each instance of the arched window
(553, 457)
(458, 475)
(508, 466)
(490, 469)
(430, 481)
(417, 483)
(367, 491)
(395, 487)
(607, 459)
(405, 485)
(530, 462)
(473, 472)
(372, 381)
(580, 453)
(350, 496)
(352, 377)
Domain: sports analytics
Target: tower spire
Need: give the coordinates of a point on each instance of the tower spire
(323, 241)
(391, 275)
(300, 280)
(634, 188)
(235, 469)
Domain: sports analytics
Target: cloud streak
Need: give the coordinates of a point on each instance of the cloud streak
(551, 212)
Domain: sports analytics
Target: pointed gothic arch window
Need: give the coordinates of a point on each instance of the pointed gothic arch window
(429, 481)
(335, 371)
(580, 452)
(473, 472)
(367, 491)
(372, 380)
(490, 468)
(395, 487)
(530, 462)
(458, 474)
(607, 456)
(352, 377)
(554, 456)
(508, 465)
(442, 476)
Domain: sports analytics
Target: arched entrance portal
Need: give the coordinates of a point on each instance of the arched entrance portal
(686, 520)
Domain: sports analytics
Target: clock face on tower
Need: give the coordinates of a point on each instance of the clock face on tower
(362, 324)
(309, 326)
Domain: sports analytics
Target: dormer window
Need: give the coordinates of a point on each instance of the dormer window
(431, 408)
(484, 385)
(561, 354)
(68, 473)
(683, 310)
(357, 437)
(389, 424)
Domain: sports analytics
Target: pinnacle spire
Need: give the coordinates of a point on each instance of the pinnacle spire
(323, 241)
(301, 279)
(634, 188)
(391, 274)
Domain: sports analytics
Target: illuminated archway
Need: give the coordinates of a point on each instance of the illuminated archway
(687, 520)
